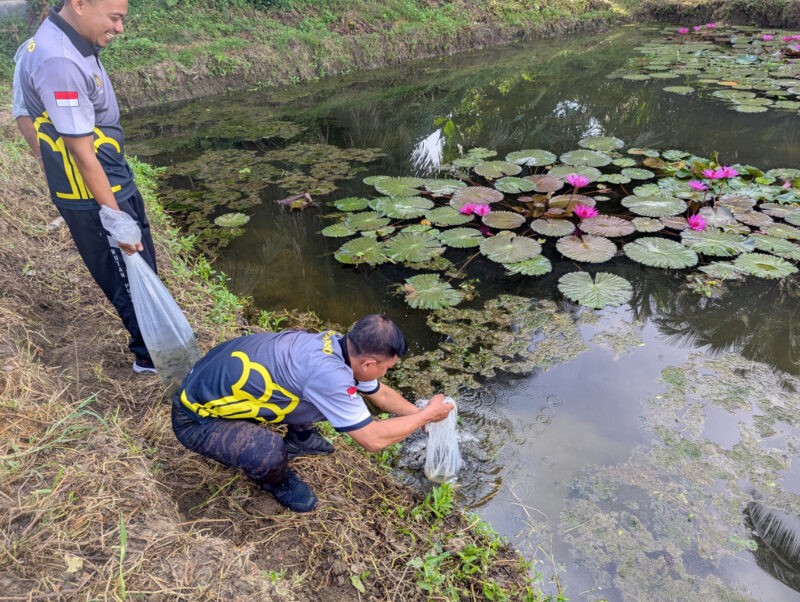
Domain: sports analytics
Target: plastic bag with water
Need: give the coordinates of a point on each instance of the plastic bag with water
(167, 335)
(442, 457)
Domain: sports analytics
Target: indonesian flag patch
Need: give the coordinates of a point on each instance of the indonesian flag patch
(351, 391)
(66, 99)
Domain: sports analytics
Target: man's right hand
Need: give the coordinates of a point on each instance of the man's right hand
(130, 249)
(437, 409)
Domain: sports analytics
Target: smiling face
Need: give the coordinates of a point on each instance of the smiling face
(99, 21)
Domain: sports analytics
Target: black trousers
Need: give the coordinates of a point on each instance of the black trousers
(106, 264)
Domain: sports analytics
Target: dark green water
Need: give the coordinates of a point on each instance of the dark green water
(624, 477)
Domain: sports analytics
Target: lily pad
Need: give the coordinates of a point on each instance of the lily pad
(654, 206)
(603, 291)
(368, 220)
(481, 153)
(475, 194)
(614, 178)
(675, 223)
(447, 216)
(585, 158)
(601, 143)
(361, 250)
(722, 270)
(404, 207)
(764, 266)
(562, 201)
(413, 247)
(512, 185)
(506, 247)
(607, 225)
(467, 162)
(372, 180)
(339, 230)
(674, 155)
(531, 157)
(503, 220)
(461, 238)
(712, 241)
(647, 190)
(562, 171)
(444, 187)
(647, 224)
(754, 218)
(351, 204)
(682, 90)
(793, 218)
(535, 266)
(553, 227)
(496, 169)
(636, 173)
(782, 231)
(660, 253)
(624, 162)
(591, 249)
(778, 246)
(740, 203)
(232, 220)
(399, 186)
(429, 291)
(546, 183)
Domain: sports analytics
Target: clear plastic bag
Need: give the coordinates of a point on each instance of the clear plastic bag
(168, 336)
(442, 458)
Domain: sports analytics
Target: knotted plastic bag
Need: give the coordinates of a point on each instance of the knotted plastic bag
(166, 333)
(442, 458)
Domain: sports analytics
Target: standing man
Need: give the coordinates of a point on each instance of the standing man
(75, 116)
(295, 378)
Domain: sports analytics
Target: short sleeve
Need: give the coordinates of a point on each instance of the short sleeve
(64, 92)
(337, 399)
(369, 387)
(18, 108)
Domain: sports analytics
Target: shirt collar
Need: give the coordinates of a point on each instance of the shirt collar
(343, 345)
(83, 46)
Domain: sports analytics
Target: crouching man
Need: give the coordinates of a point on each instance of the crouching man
(296, 378)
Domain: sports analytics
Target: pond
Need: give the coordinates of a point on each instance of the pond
(621, 448)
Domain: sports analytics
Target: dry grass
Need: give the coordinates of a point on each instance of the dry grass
(100, 501)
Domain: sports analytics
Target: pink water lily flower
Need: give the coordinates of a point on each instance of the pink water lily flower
(711, 25)
(481, 209)
(584, 211)
(796, 37)
(712, 174)
(696, 222)
(787, 185)
(577, 180)
(697, 27)
(767, 37)
(727, 172)
(468, 208)
(683, 30)
(797, 47)
(786, 38)
(697, 185)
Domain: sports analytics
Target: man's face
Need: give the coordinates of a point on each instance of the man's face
(102, 20)
(371, 368)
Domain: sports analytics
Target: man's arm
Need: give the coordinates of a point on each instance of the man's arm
(82, 151)
(25, 125)
(380, 434)
(391, 401)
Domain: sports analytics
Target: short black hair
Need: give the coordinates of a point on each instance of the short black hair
(376, 334)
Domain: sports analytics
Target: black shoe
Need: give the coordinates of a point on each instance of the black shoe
(141, 366)
(315, 445)
(292, 493)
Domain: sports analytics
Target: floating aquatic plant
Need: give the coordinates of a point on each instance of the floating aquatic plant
(602, 291)
(764, 266)
(507, 247)
(660, 253)
(591, 249)
(232, 220)
(429, 291)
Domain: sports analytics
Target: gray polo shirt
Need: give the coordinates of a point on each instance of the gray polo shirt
(18, 108)
(67, 93)
(292, 377)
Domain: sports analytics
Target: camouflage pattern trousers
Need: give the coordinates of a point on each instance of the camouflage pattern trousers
(239, 443)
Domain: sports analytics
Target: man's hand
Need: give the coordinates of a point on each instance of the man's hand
(130, 249)
(437, 410)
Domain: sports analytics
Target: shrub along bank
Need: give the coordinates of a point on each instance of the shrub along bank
(181, 49)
